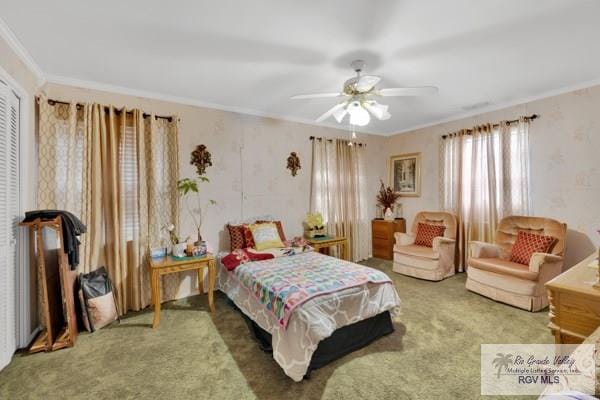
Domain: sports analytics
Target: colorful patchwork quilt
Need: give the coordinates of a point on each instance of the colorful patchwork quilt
(281, 284)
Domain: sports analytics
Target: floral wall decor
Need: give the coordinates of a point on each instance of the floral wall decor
(201, 158)
(293, 163)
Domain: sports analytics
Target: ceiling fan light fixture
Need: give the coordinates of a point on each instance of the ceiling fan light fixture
(380, 111)
(359, 116)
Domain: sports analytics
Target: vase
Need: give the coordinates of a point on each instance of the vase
(199, 241)
(388, 215)
(200, 249)
(179, 249)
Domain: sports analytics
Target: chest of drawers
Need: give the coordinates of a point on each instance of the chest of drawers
(574, 303)
(383, 236)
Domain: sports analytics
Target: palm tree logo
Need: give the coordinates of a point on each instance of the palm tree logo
(502, 361)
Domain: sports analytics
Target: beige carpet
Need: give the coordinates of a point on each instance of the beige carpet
(433, 354)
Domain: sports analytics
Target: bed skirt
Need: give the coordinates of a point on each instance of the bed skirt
(343, 341)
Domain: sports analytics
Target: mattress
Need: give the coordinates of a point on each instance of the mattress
(312, 321)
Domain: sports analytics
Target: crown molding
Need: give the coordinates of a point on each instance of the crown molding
(16, 46)
(504, 105)
(105, 87)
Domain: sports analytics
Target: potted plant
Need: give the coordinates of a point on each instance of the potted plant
(386, 199)
(198, 210)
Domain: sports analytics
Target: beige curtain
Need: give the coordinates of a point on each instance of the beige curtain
(338, 192)
(484, 177)
(117, 171)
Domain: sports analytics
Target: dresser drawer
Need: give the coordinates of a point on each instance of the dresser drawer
(578, 314)
(382, 249)
(382, 230)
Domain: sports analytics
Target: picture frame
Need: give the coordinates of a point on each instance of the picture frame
(405, 174)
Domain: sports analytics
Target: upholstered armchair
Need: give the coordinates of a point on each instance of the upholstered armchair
(432, 263)
(491, 272)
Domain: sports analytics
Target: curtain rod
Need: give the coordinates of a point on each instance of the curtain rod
(79, 105)
(331, 140)
(512, 121)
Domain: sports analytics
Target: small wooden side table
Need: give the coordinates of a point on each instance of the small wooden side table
(327, 242)
(169, 265)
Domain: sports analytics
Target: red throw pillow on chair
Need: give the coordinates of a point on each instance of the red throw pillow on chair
(427, 232)
(527, 244)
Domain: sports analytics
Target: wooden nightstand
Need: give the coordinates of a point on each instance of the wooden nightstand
(327, 242)
(383, 236)
(169, 265)
(574, 303)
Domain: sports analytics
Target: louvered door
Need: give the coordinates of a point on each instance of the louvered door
(9, 216)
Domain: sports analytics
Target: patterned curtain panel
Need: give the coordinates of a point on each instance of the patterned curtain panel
(338, 192)
(117, 171)
(484, 177)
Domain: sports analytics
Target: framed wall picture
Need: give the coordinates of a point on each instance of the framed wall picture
(405, 174)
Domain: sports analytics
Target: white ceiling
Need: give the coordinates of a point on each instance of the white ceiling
(251, 56)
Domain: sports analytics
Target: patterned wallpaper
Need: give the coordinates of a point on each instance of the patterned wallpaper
(565, 164)
(249, 155)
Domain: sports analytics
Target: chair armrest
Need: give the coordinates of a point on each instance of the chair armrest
(404, 239)
(539, 259)
(441, 241)
(484, 250)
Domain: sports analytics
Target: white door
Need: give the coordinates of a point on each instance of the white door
(9, 218)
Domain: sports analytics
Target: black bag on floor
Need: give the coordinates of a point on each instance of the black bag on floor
(98, 303)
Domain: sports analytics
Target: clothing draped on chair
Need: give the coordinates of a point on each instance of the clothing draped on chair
(117, 171)
(339, 190)
(484, 176)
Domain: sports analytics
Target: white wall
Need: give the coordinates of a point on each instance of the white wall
(565, 163)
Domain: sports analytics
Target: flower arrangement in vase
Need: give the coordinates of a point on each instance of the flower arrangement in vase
(197, 211)
(386, 199)
(316, 225)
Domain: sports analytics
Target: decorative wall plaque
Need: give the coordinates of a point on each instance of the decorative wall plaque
(293, 163)
(201, 158)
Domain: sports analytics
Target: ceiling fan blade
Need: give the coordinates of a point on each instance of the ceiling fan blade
(408, 91)
(332, 111)
(316, 96)
(366, 82)
(339, 114)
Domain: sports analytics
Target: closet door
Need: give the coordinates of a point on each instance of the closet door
(9, 218)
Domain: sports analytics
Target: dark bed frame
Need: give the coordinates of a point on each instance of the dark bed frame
(343, 341)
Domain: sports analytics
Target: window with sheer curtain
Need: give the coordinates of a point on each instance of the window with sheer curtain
(485, 176)
(339, 190)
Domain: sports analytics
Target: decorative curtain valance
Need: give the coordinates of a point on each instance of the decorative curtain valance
(117, 171)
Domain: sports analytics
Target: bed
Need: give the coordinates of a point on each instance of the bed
(308, 308)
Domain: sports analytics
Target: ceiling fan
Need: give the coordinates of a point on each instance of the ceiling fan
(359, 93)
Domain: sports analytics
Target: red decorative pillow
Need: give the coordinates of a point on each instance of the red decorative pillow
(427, 232)
(248, 238)
(527, 244)
(236, 237)
(279, 228)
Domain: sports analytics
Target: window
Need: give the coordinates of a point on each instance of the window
(129, 183)
(485, 176)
